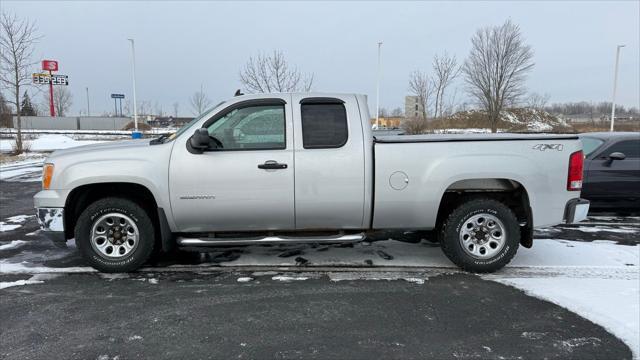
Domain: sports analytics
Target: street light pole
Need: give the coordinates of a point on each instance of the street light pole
(615, 85)
(88, 109)
(378, 88)
(133, 67)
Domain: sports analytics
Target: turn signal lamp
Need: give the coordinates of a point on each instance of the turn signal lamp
(47, 174)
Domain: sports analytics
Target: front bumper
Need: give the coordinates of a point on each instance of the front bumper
(576, 210)
(52, 223)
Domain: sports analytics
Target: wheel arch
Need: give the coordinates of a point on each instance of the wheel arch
(508, 191)
(84, 195)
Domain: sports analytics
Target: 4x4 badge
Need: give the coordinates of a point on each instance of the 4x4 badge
(543, 147)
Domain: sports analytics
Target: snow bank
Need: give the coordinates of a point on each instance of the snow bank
(55, 142)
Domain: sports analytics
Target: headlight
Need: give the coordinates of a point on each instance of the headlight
(47, 174)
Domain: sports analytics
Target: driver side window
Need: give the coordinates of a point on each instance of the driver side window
(260, 127)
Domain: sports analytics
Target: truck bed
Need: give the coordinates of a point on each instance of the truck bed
(424, 167)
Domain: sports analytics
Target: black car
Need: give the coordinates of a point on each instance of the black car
(612, 170)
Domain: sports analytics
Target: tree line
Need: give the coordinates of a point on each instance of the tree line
(595, 109)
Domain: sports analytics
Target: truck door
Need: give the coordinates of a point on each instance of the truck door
(329, 158)
(247, 184)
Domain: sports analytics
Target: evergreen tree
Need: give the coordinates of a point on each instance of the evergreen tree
(26, 109)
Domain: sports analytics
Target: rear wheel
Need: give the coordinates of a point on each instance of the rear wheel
(481, 235)
(115, 235)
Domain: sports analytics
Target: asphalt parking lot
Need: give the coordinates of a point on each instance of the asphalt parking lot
(291, 302)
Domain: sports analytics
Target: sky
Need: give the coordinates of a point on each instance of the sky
(181, 46)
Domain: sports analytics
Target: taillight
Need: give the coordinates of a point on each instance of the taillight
(574, 179)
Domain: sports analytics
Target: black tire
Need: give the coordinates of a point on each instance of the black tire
(137, 257)
(451, 230)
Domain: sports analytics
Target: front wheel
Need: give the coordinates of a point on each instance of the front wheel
(115, 235)
(481, 235)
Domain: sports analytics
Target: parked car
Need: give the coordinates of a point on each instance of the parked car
(612, 170)
(283, 168)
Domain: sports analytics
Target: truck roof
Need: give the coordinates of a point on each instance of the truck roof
(306, 94)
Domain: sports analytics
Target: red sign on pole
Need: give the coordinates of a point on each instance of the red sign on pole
(50, 65)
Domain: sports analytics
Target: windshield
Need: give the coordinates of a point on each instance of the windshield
(190, 123)
(589, 145)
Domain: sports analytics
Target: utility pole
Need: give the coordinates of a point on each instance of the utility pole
(378, 88)
(133, 67)
(615, 85)
(88, 109)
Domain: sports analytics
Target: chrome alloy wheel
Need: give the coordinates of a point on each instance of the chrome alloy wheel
(114, 236)
(482, 236)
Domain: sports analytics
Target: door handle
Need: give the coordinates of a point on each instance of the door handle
(272, 164)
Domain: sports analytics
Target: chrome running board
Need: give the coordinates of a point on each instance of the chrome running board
(213, 241)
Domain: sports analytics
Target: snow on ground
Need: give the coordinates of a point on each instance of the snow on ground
(55, 142)
(611, 303)
(26, 170)
(597, 229)
(13, 222)
(19, 218)
(289, 278)
(35, 279)
(598, 280)
(12, 245)
(605, 291)
(11, 131)
(28, 166)
(545, 253)
(48, 142)
(8, 227)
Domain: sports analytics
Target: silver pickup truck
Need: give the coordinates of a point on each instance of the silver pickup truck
(304, 167)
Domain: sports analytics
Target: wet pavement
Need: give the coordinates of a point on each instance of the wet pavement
(377, 301)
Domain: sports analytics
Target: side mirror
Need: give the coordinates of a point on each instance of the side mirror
(200, 140)
(617, 156)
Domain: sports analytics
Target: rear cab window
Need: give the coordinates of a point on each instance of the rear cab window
(324, 123)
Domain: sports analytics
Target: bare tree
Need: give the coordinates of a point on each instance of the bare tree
(126, 108)
(415, 125)
(397, 112)
(17, 38)
(272, 73)
(62, 100)
(199, 102)
(445, 69)
(496, 68)
(421, 86)
(176, 105)
(537, 101)
(158, 109)
(144, 107)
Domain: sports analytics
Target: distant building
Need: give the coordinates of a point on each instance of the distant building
(391, 122)
(169, 121)
(412, 107)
